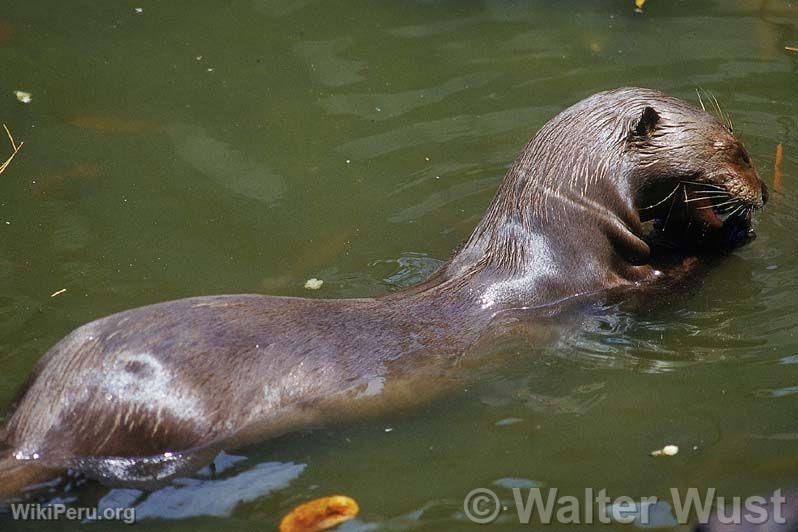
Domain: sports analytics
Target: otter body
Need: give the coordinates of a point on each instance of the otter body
(154, 392)
(190, 372)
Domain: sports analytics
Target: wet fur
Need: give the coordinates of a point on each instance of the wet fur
(154, 392)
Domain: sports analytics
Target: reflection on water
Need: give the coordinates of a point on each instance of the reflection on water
(411, 269)
(218, 497)
(225, 165)
(196, 148)
(444, 130)
(385, 106)
(327, 65)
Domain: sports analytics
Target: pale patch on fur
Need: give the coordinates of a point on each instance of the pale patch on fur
(373, 387)
(284, 391)
(157, 392)
(156, 389)
(540, 255)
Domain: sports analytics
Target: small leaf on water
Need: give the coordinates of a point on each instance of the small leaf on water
(23, 97)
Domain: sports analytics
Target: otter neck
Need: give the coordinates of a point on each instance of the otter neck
(548, 236)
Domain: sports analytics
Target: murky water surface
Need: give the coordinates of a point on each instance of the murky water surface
(203, 147)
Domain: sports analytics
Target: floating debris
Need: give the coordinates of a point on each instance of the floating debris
(517, 483)
(668, 450)
(6, 31)
(23, 97)
(58, 293)
(639, 5)
(313, 284)
(16, 147)
(508, 421)
(791, 48)
(320, 514)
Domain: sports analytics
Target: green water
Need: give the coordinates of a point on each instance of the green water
(207, 147)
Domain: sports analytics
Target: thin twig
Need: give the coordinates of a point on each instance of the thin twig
(13, 144)
(16, 147)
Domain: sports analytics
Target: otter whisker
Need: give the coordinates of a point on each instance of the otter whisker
(670, 210)
(719, 204)
(716, 189)
(716, 197)
(698, 93)
(725, 119)
(698, 188)
(663, 200)
(717, 106)
(710, 193)
(711, 185)
(740, 209)
(716, 193)
(691, 200)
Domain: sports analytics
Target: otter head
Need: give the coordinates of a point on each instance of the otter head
(572, 211)
(695, 181)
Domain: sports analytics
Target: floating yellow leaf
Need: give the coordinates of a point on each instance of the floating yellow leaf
(319, 514)
(639, 5)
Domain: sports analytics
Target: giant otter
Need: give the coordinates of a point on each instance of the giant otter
(154, 392)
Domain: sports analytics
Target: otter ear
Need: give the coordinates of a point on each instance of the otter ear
(647, 123)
